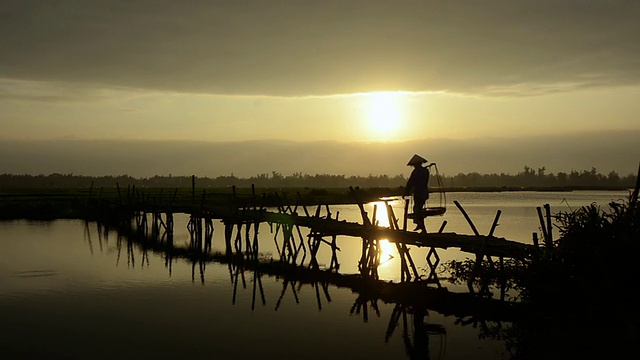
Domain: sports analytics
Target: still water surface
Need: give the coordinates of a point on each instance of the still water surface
(66, 291)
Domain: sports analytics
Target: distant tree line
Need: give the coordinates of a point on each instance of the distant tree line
(528, 178)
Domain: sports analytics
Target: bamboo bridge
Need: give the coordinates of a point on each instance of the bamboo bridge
(241, 224)
(150, 225)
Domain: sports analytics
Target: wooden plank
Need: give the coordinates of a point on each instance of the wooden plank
(332, 227)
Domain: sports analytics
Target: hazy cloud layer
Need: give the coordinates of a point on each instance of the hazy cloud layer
(297, 48)
(607, 151)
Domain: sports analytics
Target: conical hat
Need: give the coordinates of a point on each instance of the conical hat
(417, 160)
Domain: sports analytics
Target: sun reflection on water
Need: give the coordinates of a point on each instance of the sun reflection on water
(387, 249)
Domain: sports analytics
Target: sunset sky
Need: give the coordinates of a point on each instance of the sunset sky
(345, 71)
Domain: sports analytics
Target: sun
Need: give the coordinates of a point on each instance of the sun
(384, 113)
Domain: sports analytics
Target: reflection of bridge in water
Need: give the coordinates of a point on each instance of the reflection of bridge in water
(412, 300)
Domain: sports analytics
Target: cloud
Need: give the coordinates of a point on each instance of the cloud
(50, 92)
(302, 48)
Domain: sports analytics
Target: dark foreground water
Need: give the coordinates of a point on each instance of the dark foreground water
(67, 291)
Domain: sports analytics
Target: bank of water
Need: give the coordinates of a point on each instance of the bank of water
(67, 291)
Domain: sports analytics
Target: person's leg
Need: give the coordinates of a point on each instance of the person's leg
(417, 210)
(422, 226)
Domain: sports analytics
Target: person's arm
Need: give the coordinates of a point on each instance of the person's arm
(407, 188)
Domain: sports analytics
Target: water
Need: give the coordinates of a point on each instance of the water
(66, 291)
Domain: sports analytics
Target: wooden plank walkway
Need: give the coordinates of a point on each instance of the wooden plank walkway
(493, 246)
(490, 245)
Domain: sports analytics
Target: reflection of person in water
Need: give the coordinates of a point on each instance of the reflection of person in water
(418, 185)
(420, 349)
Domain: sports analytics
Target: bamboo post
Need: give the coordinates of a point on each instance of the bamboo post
(495, 222)
(549, 241)
(393, 221)
(404, 217)
(493, 229)
(202, 268)
(334, 255)
(480, 253)
(393, 322)
(314, 245)
(247, 239)
(464, 213)
(543, 226)
(444, 224)
(362, 264)
(365, 217)
(275, 240)
(394, 225)
(287, 250)
(255, 284)
(405, 274)
(228, 230)
(238, 240)
(325, 290)
(375, 214)
(284, 289)
(169, 228)
(235, 285)
(366, 243)
(301, 245)
(208, 234)
(256, 245)
(315, 285)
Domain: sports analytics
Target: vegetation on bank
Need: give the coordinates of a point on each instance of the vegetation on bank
(581, 289)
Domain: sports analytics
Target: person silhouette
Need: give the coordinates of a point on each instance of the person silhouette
(418, 185)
